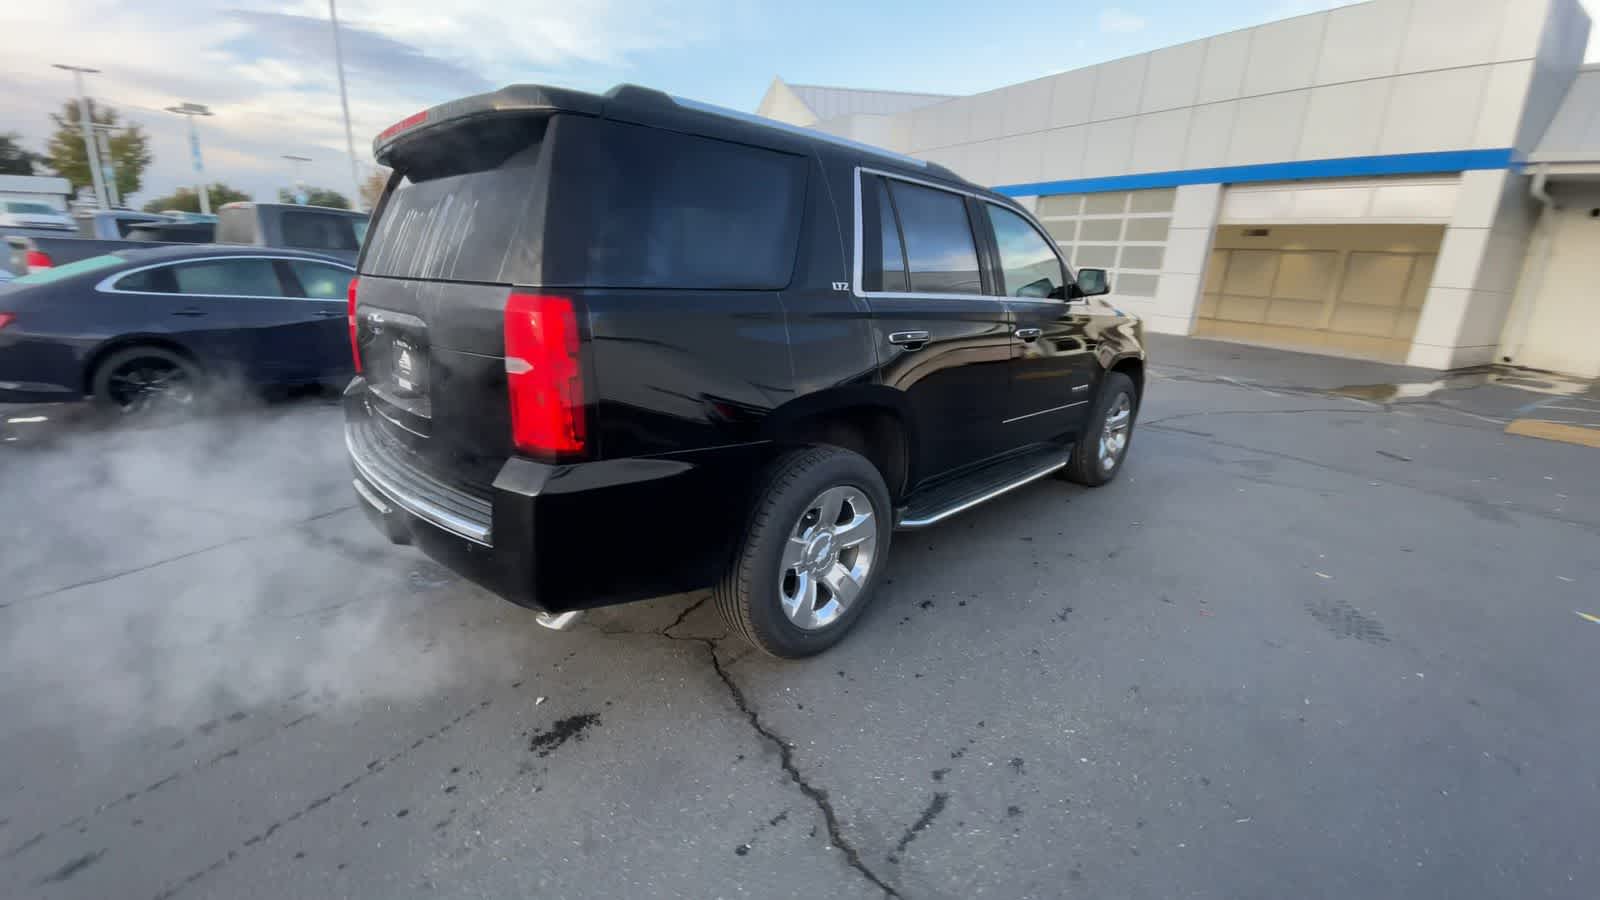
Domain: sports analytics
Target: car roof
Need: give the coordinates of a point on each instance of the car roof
(179, 252)
(653, 108)
(251, 204)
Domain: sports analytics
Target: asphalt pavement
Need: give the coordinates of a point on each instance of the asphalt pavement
(1314, 642)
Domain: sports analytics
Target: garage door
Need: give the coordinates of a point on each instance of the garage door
(1564, 324)
(1342, 289)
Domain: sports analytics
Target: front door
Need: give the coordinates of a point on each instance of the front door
(942, 338)
(1053, 350)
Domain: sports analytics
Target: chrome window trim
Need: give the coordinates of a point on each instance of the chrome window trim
(105, 285)
(856, 270)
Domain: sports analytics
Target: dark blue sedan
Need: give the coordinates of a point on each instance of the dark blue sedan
(141, 329)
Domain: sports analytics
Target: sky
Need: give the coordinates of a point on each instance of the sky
(266, 69)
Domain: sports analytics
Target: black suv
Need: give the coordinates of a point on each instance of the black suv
(614, 347)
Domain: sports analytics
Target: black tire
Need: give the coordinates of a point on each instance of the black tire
(749, 596)
(1088, 466)
(181, 382)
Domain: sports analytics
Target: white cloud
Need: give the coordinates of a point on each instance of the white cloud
(1120, 21)
(266, 69)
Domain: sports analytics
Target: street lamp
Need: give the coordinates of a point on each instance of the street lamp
(189, 111)
(102, 133)
(93, 154)
(299, 171)
(344, 101)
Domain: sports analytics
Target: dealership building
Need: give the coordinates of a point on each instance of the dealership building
(1413, 181)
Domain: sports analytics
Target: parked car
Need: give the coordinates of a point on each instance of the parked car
(333, 232)
(33, 214)
(138, 330)
(336, 232)
(174, 232)
(613, 347)
(112, 224)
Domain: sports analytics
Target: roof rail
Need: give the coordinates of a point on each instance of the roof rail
(798, 130)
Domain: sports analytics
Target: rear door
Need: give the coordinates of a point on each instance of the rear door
(941, 337)
(318, 296)
(456, 229)
(1053, 367)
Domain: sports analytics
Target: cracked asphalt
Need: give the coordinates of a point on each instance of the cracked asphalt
(1307, 645)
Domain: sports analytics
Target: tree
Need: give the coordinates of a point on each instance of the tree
(372, 187)
(130, 148)
(316, 197)
(188, 200)
(14, 160)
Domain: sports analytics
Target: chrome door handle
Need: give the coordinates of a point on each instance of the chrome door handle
(911, 340)
(1028, 334)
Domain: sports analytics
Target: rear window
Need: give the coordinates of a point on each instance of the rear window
(626, 206)
(450, 225)
(318, 231)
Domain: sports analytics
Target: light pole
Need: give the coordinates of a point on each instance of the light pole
(103, 135)
(344, 101)
(299, 181)
(189, 111)
(92, 152)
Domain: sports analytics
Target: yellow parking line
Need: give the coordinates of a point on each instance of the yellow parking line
(1556, 431)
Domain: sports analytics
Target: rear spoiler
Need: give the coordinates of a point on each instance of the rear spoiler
(518, 98)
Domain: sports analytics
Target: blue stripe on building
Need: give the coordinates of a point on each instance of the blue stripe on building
(1394, 164)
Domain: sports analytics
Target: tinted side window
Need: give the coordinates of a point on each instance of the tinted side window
(230, 277)
(318, 231)
(321, 281)
(883, 258)
(938, 236)
(1029, 266)
(149, 281)
(670, 210)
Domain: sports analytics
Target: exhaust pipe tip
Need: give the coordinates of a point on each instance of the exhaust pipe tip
(559, 621)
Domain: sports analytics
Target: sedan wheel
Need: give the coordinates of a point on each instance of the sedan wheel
(142, 381)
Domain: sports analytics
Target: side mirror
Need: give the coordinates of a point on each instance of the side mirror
(1090, 283)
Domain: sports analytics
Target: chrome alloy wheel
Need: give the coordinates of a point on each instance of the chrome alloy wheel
(827, 557)
(1114, 433)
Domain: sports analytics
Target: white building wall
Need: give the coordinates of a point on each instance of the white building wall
(1378, 79)
(1384, 77)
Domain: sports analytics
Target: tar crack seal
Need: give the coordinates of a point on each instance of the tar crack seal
(935, 807)
(571, 728)
(1344, 620)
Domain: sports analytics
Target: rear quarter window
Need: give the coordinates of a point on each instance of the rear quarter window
(661, 209)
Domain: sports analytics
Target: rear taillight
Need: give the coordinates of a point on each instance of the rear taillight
(7, 319)
(350, 322)
(543, 374)
(37, 260)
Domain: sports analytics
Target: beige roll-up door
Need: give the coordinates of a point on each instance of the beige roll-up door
(1346, 289)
